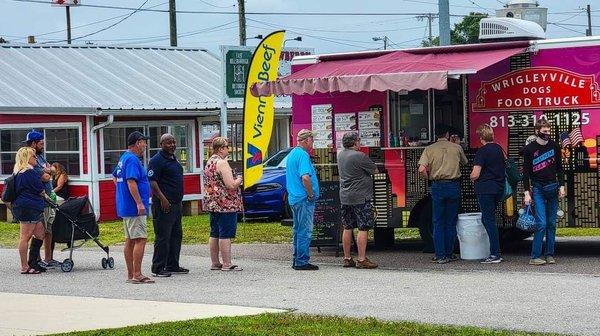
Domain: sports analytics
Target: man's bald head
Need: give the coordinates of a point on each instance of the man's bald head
(166, 136)
(167, 143)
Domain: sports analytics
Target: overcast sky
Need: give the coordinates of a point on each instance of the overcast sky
(324, 33)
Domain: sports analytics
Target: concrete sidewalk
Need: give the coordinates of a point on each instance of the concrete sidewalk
(494, 298)
(29, 314)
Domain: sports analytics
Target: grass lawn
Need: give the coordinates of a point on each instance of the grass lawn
(195, 231)
(294, 324)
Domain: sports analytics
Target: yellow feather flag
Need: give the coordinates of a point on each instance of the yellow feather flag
(259, 112)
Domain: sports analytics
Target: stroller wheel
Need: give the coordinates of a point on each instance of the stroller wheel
(111, 262)
(67, 265)
(104, 263)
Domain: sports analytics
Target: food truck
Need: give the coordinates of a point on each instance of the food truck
(395, 99)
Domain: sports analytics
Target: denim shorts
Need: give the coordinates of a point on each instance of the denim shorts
(27, 215)
(223, 225)
(361, 216)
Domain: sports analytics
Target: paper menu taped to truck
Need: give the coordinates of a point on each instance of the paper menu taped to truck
(344, 123)
(322, 125)
(369, 125)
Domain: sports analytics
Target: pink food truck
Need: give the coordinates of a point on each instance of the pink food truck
(395, 99)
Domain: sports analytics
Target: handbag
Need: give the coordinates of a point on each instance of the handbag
(508, 190)
(513, 175)
(526, 221)
(9, 194)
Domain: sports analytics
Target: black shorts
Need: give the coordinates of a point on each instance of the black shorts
(27, 215)
(361, 216)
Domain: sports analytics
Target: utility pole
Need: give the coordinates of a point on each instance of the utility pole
(173, 23)
(68, 8)
(242, 19)
(444, 12)
(429, 17)
(589, 15)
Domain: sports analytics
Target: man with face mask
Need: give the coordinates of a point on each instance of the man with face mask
(166, 179)
(35, 140)
(543, 182)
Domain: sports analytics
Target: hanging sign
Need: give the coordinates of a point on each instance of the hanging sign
(538, 88)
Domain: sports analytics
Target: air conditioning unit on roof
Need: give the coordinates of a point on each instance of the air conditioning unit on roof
(503, 29)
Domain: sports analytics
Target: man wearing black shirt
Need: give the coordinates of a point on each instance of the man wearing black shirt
(166, 179)
(543, 182)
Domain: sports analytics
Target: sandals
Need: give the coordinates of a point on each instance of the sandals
(31, 270)
(142, 280)
(216, 267)
(232, 268)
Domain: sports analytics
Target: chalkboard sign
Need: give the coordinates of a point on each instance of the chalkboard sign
(326, 231)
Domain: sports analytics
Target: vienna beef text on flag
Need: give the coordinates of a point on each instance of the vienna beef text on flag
(259, 112)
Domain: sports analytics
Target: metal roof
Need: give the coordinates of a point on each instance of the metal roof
(84, 79)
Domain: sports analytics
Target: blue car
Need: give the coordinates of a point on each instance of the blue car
(268, 197)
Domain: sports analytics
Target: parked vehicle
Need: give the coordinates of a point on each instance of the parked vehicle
(268, 198)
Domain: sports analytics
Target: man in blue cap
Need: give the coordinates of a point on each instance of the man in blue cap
(132, 199)
(35, 140)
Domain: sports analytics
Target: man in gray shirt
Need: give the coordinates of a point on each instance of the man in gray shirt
(356, 191)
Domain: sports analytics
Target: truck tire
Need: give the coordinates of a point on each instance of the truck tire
(384, 237)
(420, 217)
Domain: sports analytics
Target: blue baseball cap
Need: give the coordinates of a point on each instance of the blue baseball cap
(34, 136)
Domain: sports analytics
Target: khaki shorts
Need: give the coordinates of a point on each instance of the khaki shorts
(135, 227)
(49, 215)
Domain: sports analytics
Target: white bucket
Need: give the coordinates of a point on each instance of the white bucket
(473, 238)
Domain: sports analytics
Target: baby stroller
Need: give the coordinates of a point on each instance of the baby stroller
(75, 220)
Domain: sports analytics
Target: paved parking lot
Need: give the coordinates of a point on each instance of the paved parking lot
(512, 295)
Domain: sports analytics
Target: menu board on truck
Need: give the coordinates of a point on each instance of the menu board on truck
(344, 123)
(326, 231)
(322, 125)
(369, 125)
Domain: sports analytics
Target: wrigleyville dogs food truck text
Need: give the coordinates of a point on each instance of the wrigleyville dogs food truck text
(394, 99)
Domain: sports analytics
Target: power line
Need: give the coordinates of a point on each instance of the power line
(88, 24)
(341, 31)
(209, 4)
(247, 13)
(571, 24)
(105, 28)
(184, 34)
(566, 28)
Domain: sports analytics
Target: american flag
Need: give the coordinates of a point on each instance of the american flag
(575, 136)
(564, 139)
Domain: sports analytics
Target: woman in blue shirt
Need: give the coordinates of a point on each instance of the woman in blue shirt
(488, 175)
(28, 207)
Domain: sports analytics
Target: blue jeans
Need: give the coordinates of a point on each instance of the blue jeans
(487, 204)
(446, 201)
(545, 202)
(303, 214)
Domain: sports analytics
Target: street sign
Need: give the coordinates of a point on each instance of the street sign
(236, 62)
(66, 2)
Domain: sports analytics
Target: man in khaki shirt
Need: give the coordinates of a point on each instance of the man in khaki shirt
(440, 163)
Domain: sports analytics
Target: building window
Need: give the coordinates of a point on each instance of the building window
(211, 130)
(115, 142)
(61, 145)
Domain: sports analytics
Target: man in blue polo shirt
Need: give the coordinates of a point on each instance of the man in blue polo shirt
(166, 179)
(132, 198)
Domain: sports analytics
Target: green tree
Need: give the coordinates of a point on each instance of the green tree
(464, 32)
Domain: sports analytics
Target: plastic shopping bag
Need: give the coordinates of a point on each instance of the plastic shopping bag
(526, 221)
